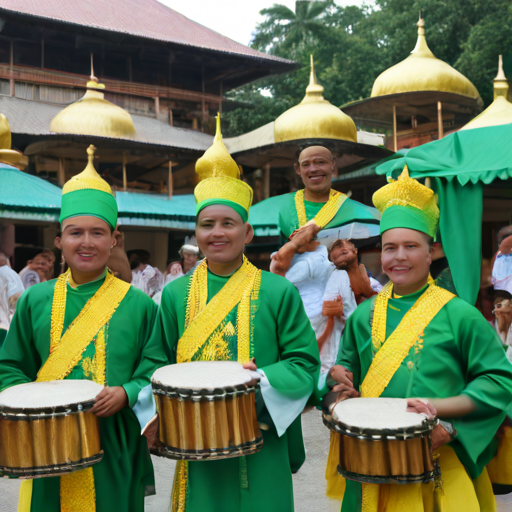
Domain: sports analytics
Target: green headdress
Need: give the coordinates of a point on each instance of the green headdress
(87, 194)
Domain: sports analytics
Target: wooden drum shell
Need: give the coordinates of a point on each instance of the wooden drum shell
(384, 457)
(48, 442)
(216, 425)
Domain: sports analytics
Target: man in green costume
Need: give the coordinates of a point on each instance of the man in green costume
(322, 206)
(418, 340)
(254, 317)
(53, 336)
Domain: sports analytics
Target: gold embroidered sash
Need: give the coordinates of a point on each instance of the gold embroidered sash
(202, 319)
(77, 490)
(391, 354)
(327, 212)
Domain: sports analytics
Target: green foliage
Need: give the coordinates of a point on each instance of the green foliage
(353, 45)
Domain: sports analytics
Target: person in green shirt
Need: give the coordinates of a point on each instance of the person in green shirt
(229, 310)
(87, 324)
(417, 340)
(322, 206)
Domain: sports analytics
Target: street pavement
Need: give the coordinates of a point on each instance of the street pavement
(309, 483)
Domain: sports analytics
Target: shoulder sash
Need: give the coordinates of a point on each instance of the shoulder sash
(327, 212)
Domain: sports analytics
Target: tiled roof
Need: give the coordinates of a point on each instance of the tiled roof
(34, 118)
(141, 18)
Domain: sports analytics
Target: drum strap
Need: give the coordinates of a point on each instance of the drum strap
(203, 320)
(390, 354)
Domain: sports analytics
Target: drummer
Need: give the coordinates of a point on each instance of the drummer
(418, 340)
(87, 324)
(230, 310)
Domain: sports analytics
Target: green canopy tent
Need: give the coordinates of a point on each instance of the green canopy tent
(459, 165)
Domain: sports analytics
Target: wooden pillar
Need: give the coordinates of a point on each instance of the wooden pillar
(171, 119)
(42, 52)
(157, 106)
(266, 181)
(220, 99)
(11, 80)
(395, 142)
(61, 175)
(440, 128)
(125, 180)
(170, 182)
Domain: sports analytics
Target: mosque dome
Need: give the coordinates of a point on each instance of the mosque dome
(422, 71)
(314, 117)
(94, 115)
(500, 110)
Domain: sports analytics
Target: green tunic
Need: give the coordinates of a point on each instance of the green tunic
(350, 211)
(461, 354)
(285, 347)
(131, 358)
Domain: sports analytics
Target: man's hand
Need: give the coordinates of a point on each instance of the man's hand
(251, 365)
(345, 379)
(109, 401)
(421, 406)
(439, 437)
(150, 431)
(333, 307)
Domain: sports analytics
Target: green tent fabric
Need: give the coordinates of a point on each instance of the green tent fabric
(462, 163)
(264, 216)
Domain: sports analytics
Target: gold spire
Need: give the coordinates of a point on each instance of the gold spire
(500, 110)
(217, 161)
(314, 117)
(422, 71)
(7, 155)
(88, 178)
(94, 115)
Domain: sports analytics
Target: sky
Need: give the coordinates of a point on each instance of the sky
(235, 19)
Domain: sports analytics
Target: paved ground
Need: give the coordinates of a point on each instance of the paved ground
(308, 482)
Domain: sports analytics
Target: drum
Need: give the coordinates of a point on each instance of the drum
(381, 443)
(46, 429)
(207, 410)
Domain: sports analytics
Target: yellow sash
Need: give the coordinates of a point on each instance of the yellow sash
(327, 212)
(77, 490)
(202, 319)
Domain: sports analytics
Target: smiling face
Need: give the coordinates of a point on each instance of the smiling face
(222, 234)
(189, 260)
(406, 259)
(85, 243)
(316, 167)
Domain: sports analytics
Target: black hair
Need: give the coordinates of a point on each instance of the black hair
(502, 294)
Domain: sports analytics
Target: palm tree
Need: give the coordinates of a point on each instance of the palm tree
(285, 30)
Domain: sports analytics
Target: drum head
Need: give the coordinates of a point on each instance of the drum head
(206, 376)
(35, 396)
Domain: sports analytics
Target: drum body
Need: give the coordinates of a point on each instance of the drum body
(48, 440)
(372, 453)
(203, 417)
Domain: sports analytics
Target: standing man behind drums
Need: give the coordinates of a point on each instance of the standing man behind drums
(318, 203)
(418, 340)
(87, 324)
(230, 310)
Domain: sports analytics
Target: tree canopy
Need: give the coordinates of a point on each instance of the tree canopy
(353, 45)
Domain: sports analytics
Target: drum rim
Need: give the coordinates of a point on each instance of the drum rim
(204, 393)
(404, 433)
(45, 412)
(424, 478)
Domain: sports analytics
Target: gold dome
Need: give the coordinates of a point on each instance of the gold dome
(500, 110)
(94, 115)
(7, 155)
(422, 71)
(216, 160)
(314, 117)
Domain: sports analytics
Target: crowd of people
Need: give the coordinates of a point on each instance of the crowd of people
(317, 326)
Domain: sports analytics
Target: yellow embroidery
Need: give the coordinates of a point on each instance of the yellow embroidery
(179, 488)
(391, 354)
(204, 320)
(77, 490)
(67, 351)
(325, 215)
(89, 367)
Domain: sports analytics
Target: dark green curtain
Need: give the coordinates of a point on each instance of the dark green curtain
(460, 225)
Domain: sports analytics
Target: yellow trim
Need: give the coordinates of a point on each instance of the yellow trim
(25, 499)
(391, 354)
(327, 212)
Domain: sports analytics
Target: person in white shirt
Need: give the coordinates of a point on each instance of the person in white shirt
(503, 313)
(14, 283)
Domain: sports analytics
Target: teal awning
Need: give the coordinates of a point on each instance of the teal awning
(264, 216)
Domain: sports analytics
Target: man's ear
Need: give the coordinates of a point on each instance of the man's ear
(334, 168)
(297, 168)
(249, 233)
(58, 243)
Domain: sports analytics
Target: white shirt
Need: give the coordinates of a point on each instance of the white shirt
(502, 272)
(15, 284)
(309, 272)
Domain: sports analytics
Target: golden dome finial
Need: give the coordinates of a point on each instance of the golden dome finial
(314, 91)
(421, 44)
(500, 82)
(216, 160)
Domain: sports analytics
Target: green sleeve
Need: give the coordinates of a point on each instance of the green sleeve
(489, 385)
(288, 220)
(297, 371)
(19, 360)
(151, 355)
